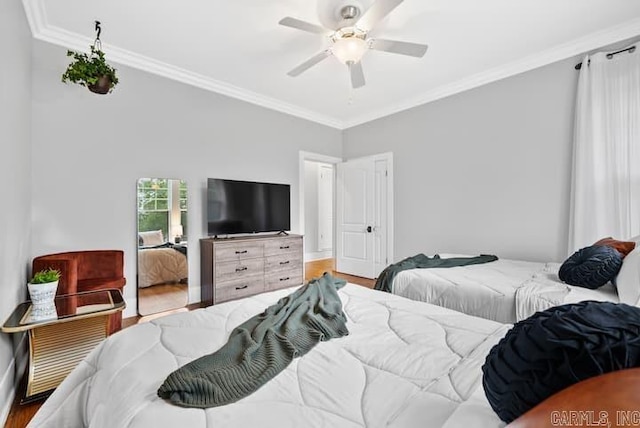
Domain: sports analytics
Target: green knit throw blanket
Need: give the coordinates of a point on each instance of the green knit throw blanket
(385, 279)
(261, 347)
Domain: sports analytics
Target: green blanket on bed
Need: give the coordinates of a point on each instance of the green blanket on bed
(385, 280)
(261, 347)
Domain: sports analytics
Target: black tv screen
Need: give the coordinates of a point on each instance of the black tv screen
(247, 207)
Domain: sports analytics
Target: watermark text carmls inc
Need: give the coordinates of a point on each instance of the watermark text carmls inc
(592, 418)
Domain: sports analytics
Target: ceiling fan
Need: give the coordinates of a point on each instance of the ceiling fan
(350, 42)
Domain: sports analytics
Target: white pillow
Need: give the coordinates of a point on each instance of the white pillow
(152, 238)
(453, 255)
(628, 279)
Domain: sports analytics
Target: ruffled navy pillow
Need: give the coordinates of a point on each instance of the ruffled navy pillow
(556, 348)
(591, 267)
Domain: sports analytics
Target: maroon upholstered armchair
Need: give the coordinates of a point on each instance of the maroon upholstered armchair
(87, 271)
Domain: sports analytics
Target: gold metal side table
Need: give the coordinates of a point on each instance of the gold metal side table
(60, 341)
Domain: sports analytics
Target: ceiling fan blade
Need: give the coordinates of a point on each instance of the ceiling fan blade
(309, 63)
(376, 13)
(357, 75)
(397, 47)
(303, 25)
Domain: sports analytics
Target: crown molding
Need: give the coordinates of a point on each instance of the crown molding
(561, 52)
(34, 10)
(41, 30)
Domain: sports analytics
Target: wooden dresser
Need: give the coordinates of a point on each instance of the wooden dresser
(233, 268)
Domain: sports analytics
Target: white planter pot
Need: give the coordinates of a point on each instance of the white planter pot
(42, 295)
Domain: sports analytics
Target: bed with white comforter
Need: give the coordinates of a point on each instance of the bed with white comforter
(161, 266)
(404, 364)
(504, 290)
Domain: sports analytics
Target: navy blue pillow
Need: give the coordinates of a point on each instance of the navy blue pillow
(591, 267)
(556, 348)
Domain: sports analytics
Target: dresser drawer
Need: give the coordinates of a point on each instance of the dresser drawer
(237, 269)
(283, 280)
(276, 247)
(238, 288)
(238, 251)
(291, 262)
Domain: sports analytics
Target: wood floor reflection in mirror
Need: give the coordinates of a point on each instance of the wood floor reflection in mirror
(162, 297)
(163, 268)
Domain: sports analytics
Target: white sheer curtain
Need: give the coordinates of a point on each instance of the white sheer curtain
(605, 187)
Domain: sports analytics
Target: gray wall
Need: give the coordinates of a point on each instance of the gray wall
(89, 150)
(15, 176)
(484, 171)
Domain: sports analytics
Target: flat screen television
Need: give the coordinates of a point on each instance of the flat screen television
(247, 207)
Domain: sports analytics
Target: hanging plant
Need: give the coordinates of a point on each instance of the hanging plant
(91, 70)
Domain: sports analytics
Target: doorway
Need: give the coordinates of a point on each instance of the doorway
(362, 219)
(317, 205)
(318, 209)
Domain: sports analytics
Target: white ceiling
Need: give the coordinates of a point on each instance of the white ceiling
(237, 47)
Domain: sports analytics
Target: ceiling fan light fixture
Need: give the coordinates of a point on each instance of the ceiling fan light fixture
(350, 42)
(349, 49)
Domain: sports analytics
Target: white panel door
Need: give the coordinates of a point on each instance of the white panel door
(354, 218)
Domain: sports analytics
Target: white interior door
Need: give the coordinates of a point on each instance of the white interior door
(363, 216)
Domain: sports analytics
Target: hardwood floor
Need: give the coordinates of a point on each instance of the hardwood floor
(128, 322)
(162, 298)
(20, 415)
(318, 267)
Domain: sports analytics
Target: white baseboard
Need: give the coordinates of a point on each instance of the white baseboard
(318, 255)
(131, 310)
(7, 392)
(10, 379)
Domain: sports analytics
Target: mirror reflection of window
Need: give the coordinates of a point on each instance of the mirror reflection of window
(162, 205)
(162, 245)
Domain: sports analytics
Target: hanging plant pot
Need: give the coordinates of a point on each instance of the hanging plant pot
(102, 86)
(85, 68)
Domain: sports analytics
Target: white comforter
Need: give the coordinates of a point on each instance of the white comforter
(505, 290)
(405, 364)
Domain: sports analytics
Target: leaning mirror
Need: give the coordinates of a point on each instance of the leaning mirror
(163, 273)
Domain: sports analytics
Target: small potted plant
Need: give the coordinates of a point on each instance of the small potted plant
(91, 71)
(43, 287)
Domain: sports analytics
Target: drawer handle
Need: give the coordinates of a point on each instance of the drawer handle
(285, 263)
(241, 269)
(241, 252)
(285, 279)
(242, 288)
(284, 247)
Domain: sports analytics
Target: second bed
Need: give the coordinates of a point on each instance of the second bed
(504, 290)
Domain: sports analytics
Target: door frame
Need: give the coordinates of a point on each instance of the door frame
(315, 157)
(325, 176)
(388, 156)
